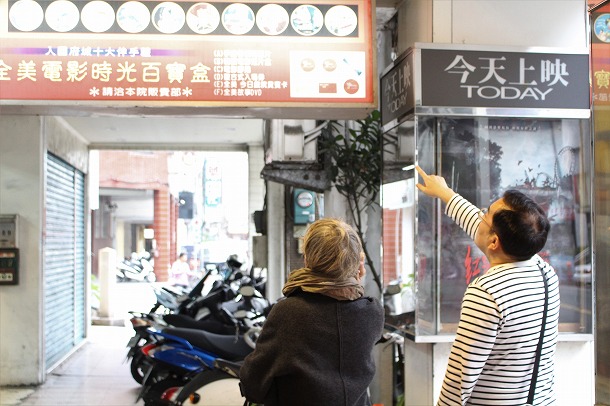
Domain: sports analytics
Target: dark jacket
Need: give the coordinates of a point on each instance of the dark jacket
(314, 350)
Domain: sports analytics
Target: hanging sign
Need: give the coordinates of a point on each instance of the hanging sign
(189, 53)
(487, 78)
(396, 90)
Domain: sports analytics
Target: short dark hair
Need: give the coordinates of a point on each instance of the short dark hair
(523, 227)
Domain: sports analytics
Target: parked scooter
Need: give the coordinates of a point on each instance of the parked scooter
(201, 389)
(220, 319)
(142, 324)
(180, 354)
(138, 268)
(218, 289)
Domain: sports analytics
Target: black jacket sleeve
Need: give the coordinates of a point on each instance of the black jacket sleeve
(260, 367)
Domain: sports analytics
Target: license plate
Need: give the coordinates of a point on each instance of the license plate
(133, 341)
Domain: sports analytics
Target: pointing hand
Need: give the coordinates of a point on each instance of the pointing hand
(434, 186)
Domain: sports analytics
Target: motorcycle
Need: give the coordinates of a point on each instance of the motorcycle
(201, 389)
(138, 268)
(180, 354)
(248, 301)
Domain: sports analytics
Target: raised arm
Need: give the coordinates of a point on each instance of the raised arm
(464, 213)
(434, 186)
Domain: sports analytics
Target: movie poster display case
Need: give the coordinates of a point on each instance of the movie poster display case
(486, 119)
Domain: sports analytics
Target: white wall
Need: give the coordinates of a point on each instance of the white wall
(21, 191)
(574, 379)
(521, 23)
(23, 146)
(516, 23)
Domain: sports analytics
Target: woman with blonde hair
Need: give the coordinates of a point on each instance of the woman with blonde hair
(316, 345)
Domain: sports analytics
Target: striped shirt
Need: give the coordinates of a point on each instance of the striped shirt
(492, 358)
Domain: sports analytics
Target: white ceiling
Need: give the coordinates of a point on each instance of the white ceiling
(172, 133)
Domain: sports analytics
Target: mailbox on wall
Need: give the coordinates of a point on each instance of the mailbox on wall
(9, 253)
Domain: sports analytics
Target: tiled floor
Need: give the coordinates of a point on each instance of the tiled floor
(95, 375)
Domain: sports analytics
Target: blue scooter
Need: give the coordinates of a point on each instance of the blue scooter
(205, 387)
(179, 354)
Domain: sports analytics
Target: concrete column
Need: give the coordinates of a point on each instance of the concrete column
(107, 260)
(275, 234)
(256, 188)
(22, 305)
(162, 226)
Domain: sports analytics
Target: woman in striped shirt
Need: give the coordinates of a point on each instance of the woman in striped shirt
(492, 358)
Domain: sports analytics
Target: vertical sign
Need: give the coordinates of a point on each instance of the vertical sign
(396, 88)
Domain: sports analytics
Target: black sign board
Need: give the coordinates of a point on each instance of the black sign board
(499, 79)
(397, 96)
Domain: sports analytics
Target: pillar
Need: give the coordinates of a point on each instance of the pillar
(162, 226)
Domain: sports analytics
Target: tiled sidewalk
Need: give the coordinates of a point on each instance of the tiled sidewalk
(95, 375)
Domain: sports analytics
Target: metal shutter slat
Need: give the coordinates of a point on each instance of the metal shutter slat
(64, 262)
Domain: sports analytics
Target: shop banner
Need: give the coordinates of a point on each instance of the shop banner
(183, 53)
(504, 79)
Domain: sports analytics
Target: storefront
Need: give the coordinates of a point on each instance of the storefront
(487, 119)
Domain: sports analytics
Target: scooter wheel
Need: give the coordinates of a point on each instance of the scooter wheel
(137, 367)
(152, 397)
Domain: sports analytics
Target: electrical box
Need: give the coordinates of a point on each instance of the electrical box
(9, 266)
(8, 230)
(9, 253)
(304, 203)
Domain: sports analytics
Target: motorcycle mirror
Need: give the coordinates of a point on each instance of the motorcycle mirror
(247, 291)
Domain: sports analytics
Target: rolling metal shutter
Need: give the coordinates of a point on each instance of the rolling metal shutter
(64, 261)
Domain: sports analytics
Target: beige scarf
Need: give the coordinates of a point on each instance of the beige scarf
(308, 281)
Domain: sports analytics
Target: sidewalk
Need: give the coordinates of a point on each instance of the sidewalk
(95, 375)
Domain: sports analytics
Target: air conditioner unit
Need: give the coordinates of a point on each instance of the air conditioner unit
(289, 141)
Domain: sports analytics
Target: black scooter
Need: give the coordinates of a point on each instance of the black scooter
(218, 305)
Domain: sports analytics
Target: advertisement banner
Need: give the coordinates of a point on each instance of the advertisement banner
(220, 53)
(504, 79)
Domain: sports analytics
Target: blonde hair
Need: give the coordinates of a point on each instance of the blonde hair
(332, 247)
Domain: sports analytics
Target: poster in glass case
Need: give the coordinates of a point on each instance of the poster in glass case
(480, 158)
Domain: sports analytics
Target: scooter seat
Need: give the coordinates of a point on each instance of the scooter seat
(228, 347)
(210, 326)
